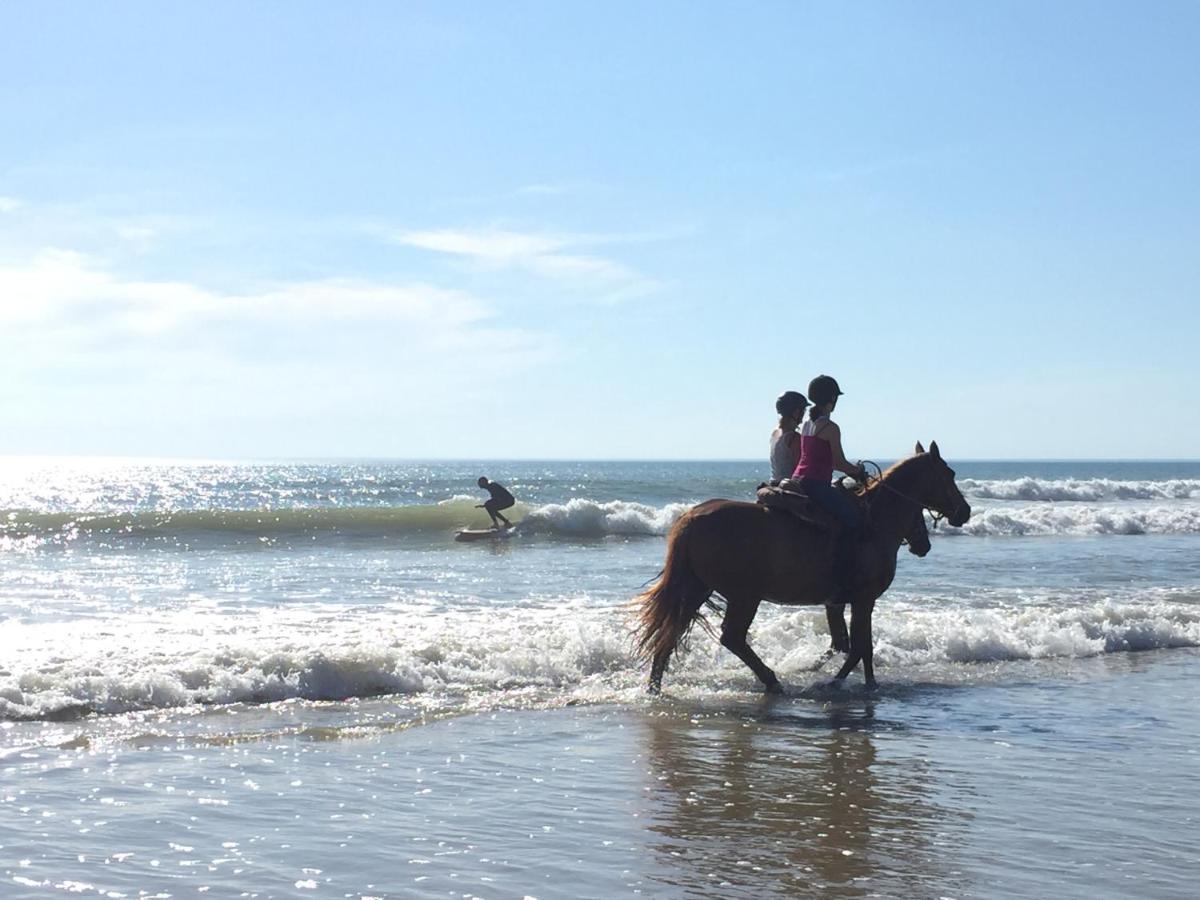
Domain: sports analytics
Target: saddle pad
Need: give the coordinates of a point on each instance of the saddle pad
(795, 503)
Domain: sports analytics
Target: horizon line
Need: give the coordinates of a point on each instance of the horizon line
(158, 458)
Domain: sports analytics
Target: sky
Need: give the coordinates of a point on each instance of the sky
(613, 230)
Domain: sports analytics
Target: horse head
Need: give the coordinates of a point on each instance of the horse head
(917, 536)
(937, 489)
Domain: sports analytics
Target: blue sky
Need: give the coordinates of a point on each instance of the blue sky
(597, 230)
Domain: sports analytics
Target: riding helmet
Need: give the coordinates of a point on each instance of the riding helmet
(823, 389)
(791, 401)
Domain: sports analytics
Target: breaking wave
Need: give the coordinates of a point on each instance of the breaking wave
(591, 517)
(1090, 490)
(1020, 507)
(1052, 519)
(578, 518)
(66, 671)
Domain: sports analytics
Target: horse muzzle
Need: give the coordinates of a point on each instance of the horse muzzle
(961, 513)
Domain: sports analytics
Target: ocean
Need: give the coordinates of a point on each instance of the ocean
(288, 680)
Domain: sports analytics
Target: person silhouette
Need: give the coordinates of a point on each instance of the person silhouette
(500, 499)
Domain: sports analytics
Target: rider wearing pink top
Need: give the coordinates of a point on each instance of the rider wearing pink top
(816, 455)
(821, 454)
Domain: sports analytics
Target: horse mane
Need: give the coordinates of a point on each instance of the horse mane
(900, 468)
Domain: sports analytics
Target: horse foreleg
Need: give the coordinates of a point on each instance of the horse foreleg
(868, 652)
(738, 616)
(839, 640)
(860, 644)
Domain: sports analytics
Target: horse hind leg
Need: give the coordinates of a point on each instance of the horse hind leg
(739, 613)
(657, 668)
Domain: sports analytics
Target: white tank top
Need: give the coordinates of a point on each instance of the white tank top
(784, 456)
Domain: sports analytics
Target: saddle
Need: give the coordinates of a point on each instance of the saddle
(789, 497)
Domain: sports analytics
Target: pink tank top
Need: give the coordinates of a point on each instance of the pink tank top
(816, 456)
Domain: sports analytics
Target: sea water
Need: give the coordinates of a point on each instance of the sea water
(287, 679)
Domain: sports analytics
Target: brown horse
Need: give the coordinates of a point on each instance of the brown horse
(747, 553)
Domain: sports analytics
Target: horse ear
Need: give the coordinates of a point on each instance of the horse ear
(919, 448)
(933, 448)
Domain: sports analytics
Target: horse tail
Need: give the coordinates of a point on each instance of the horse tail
(671, 605)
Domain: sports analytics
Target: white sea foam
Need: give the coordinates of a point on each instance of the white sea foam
(592, 517)
(589, 517)
(1079, 489)
(920, 636)
(196, 657)
(1079, 519)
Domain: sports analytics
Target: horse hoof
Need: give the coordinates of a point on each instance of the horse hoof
(775, 688)
(872, 685)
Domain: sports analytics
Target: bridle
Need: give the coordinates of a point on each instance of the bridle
(877, 478)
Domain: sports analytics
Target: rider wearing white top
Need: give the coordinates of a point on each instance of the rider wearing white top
(785, 443)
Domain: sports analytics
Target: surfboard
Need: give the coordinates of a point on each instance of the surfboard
(482, 534)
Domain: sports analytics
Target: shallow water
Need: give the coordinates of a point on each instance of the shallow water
(288, 680)
(1053, 781)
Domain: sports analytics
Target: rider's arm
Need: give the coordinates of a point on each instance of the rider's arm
(833, 434)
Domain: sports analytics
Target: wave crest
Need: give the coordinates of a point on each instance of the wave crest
(591, 517)
(1089, 490)
(1050, 519)
(583, 517)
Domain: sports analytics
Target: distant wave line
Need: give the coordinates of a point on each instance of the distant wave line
(575, 519)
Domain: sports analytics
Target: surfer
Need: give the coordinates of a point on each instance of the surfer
(500, 499)
(820, 454)
(785, 443)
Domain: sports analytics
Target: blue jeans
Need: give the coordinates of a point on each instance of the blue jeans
(842, 508)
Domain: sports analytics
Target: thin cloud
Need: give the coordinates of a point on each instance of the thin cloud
(26, 229)
(72, 301)
(549, 256)
(145, 229)
(91, 358)
(500, 247)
